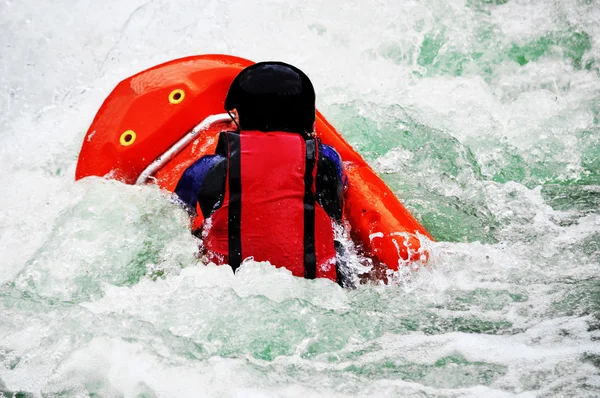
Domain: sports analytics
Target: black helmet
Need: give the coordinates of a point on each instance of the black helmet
(273, 96)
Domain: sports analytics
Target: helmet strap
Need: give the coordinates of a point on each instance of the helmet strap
(233, 119)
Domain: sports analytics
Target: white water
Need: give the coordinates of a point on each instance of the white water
(102, 296)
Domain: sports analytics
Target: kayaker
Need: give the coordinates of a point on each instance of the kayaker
(271, 191)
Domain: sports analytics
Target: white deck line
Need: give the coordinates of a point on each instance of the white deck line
(179, 145)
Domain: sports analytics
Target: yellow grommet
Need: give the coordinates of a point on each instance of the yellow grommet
(176, 96)
(127, 138)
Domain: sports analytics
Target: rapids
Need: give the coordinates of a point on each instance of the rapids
(482, 115)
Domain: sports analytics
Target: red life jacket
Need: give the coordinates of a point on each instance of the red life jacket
(269, 210)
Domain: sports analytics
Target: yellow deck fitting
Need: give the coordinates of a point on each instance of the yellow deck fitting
(176, 96)
(127, 138)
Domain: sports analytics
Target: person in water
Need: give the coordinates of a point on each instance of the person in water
(272, 191)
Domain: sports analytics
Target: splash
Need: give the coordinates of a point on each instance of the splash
(484, 118)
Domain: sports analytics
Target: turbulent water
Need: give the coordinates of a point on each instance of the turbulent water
(482, 115)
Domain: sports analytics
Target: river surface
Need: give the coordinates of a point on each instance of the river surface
(484, 118)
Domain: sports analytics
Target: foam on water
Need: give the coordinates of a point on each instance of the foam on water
(484, 118)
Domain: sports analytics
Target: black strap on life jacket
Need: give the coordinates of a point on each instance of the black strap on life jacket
(235, 201)
(310, 257)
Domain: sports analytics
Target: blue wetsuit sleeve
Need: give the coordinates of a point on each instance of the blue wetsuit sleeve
(334, 157)
(192, 179)
(331, 182)
(330, 153)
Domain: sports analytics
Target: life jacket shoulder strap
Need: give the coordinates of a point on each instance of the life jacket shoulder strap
(223, 143)
(310, 257)
(229, 143)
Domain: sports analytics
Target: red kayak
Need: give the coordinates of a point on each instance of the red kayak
(158, 122)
